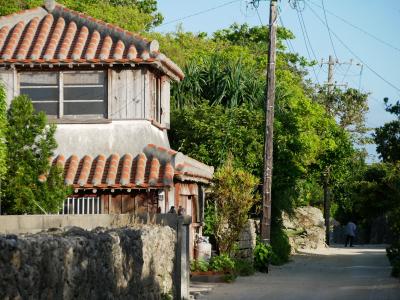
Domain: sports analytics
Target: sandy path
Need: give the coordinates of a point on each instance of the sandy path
(359, 273)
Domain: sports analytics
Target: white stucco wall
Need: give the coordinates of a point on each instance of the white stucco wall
(119, 137)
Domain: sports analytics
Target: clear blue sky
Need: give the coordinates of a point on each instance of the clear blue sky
(379, 18)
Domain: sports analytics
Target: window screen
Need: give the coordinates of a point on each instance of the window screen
(84, 93)
(43, 89)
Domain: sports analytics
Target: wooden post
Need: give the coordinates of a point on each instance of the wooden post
(269, 125)
(327, 206)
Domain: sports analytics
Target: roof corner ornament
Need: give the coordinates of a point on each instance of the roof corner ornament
(154, 46)
(49, 5)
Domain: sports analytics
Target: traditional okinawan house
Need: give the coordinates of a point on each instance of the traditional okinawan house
(108, 90)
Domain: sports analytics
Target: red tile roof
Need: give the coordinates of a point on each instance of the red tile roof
(60, 35)
(155, 167)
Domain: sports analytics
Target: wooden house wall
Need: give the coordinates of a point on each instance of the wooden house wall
(133, 202)
(126, 94)
(9, 80)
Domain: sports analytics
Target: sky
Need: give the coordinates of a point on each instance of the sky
(379, 56)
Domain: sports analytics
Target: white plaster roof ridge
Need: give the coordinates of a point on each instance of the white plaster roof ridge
(24, 15)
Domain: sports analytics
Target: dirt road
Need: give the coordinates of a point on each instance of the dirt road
(337, 273)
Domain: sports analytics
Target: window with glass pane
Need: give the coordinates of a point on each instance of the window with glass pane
(156, 102)
(84, 93)
(43, 89)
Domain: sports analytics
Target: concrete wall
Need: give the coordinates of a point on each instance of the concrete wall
(60, 224)
(119, 137)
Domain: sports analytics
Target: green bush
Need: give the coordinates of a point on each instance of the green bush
(280, 246)
(244, 267)
(262, 256)
(222, 263)
(199, 265)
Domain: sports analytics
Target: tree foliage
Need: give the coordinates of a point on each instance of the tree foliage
(209, 133)
(133, 15)
(349, 107)
(387, 137)
(234, 196)
(30, 144)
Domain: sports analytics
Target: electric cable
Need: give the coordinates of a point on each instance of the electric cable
(305, 42)
(358, 28)
(355, 55)
(199, 13)
(329, 30)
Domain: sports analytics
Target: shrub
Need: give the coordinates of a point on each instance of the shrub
(222, 263)
(280, 246)
(199, 265)
(234, 195)
(262, 256)
(244, 267)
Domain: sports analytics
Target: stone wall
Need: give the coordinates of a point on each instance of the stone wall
(124, 263)
(247, 240)
(305, 228)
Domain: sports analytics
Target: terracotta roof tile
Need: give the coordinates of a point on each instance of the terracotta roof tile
(71, 170)
(63, 34)
(42, 38)
(126, 170)
(85, 170)
(80, 43)
(28, 38)
(3, 35)
(54, 39)
(112, 169)
(67, 42)
(99, 170)
(93, 44)
(13, 41)
(106, 48)
(140, 169)
(154, 171)
(151, 168)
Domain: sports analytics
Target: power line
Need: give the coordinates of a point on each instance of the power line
(288, 41)
(355, 55)
(345, 74)
(329, 30)
(358, 28)
(305, 37)
(199, 13)
(306, 32)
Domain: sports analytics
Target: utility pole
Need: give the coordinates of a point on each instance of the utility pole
(331, 64)
(269, 124)
(326, 173)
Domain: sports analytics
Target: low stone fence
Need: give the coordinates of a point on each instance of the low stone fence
(247, 240)
(119, 258)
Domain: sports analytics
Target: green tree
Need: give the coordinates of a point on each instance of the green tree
(30, 144)
(133, 15)
(349, 107)
(387, 137)
(209, 133)
(234, 196)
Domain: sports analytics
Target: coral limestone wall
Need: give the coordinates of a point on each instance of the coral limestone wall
(124, 263)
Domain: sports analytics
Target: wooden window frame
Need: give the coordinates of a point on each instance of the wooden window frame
(61, 117)
(156, 98)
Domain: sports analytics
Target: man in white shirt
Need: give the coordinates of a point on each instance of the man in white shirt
(350, 233)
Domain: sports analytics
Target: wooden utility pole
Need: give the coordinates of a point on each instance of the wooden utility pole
(269, 124)
(327, 202)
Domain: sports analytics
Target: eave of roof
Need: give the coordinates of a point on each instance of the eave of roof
(54, 34)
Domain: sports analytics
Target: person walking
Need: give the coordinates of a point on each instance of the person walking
(350, 233)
